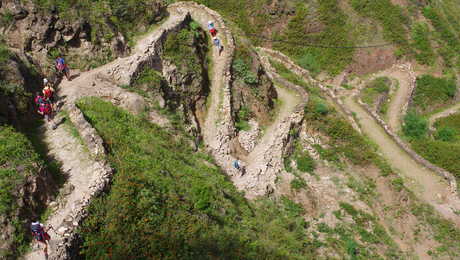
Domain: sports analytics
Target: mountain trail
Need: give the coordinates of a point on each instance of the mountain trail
(445, 113)
(80, 169)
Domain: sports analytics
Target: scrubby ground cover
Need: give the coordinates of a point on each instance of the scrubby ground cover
(432, 93)
(17, 161)
(167, 202)
(376, 93)
(440, 148)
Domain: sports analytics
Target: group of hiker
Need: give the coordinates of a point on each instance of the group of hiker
(215, 40)
(46, 99)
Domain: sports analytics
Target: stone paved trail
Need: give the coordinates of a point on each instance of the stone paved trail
(79, 168)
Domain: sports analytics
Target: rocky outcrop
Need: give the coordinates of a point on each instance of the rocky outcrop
(259, 97)
(17, 84)
(31, 196)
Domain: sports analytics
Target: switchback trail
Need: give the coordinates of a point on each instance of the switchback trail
(406, 79)
(80, 169)
(425, 183)
(445, 113)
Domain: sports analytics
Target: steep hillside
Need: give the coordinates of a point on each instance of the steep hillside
(342, 114)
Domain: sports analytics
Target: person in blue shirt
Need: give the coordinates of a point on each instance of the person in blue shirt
(218, 44)
(62, 67)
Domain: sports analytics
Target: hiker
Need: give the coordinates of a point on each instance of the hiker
(62, 67)
(48, 92)
(212, 29)
(239, 166)
(218, 45)
(44, 107)
(40, 234)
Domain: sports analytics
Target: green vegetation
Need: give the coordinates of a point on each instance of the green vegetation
(443, 148)
(390, 17)
(180, 48)
(242, 119)
(432, 92)
(106, 17)
(347, 238)
(335, 33)
(17, 161)
(298, 183)
(148, 81)
(243, 72)
(375, 90)
(415, 126)
(165, 202)
(450, 47)
(424, 52)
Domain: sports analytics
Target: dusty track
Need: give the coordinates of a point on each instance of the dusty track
(445, 113)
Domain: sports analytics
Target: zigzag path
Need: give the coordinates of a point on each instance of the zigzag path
(218, 130)
(445, 113)
(425, 183)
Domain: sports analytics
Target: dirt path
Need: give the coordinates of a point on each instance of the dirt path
(445, 113)
(427, 185)
(289, 102)
(399, 101)
(79, 168)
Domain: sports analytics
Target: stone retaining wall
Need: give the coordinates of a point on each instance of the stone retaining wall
(286, 61)
(416, 157)
(67, 246)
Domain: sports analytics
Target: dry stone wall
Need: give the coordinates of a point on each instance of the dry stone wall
(68, 238)
(416, 157)
(286, 61)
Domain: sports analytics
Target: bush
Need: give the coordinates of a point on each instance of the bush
(415, 126)
(432, 92)
(420, 36)
(243, 72)
(305, 163)
(375, 88)
(298, 183)
(446, 134)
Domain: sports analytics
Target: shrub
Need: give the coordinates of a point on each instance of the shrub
(305, 163)
(446, 134)
(298, 183)
(420, 36)
(432, 92)
(243, 72)
(415, 126)
(390, 17)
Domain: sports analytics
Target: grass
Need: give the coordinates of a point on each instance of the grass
(175, 206)
(390, 17)
(182, 48)
(432, 92)
(376, 89)
(422, 45)
(334, 32)
(451, 123)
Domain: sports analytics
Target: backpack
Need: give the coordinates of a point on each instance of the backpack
(39, 100)
(37, 232)
(48, 92)
(45, 108)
